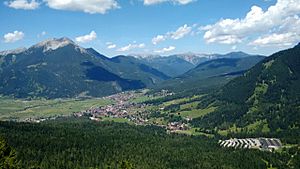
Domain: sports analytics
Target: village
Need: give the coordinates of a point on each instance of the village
(119, 109)
(123, 107)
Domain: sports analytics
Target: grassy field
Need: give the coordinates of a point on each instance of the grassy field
(17, 109)
(259, 126)
(142, 98)
(117, 120)
(192, 131)
(197, 112)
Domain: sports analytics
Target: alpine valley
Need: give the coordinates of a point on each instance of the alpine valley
(65, 106)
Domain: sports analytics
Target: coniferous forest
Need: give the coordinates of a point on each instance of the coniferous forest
(80, 143)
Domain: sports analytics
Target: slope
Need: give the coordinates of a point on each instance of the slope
(60, 68)
(170, 65)
(266, 99)
(210, 74)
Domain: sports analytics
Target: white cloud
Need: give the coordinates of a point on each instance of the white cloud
(158, 38)
(13, 37)
(87, 38)
(181, 32)
(256, 22)
(88, 6)
(287, 34)
(180, 2)
(164, 50)
(284, 39)
(178, 34)
(23, 4)
(110, 45)
(131, 46)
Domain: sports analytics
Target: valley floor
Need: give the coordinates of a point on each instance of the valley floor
(158, 124)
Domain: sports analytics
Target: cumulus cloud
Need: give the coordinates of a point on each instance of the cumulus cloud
(13, 37)
(181, 32)
(158, 38)
(23, 4)
(90, 6)
(87, 38)
(110, 45)
(180, 2)
(164, 50)
(257, 21)
(131, 46)
(284, 39)
(287, 34)
(178, 34)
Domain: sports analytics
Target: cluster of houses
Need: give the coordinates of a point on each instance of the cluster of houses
(114, 111)
(138, 120)
(119, 109)
(40, 119)
(122, 106)
(176, 126)
(269, 144)
(163, 93)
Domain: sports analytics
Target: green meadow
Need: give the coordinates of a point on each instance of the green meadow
(19, 109)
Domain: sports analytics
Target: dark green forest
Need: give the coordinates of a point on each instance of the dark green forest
(268, 94)
(80, 143)
(8, 157)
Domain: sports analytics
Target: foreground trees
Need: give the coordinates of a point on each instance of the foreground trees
(7, 156)
(80, 143)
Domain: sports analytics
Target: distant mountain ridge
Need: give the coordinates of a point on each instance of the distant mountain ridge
(171, 65)
(15, 51)
(60, 68)
(178, 64)
(212, 73)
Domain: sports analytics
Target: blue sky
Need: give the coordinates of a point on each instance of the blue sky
(154, 26)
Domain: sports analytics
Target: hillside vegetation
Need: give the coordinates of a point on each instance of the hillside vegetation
(84, 144)
(211, 74)
(266, 99)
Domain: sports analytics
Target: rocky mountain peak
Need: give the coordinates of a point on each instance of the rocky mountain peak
(54, 43)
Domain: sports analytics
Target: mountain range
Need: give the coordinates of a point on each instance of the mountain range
(211, 74)
(176, 65)
(58, 68)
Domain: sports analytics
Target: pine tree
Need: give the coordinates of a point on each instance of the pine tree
(7, 156)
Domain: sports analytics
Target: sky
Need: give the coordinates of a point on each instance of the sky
(161, 27)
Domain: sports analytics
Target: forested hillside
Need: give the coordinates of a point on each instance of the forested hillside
(265, 99)
(211, 74)
(79, 143)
